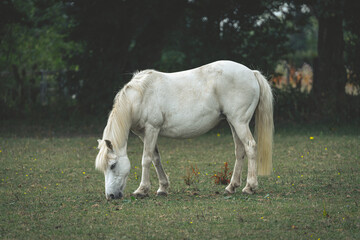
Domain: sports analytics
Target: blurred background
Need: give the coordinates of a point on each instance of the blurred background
(62, 60)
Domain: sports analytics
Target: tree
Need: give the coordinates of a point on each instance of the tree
(124, 36)
(119, 37)
(33, 38)
(352, 40)
(335, 57)
(244, 31)
(330, 74)
(104, 42)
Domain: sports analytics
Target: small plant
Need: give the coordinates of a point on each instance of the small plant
(192, 175)
(224, 176)
(325, 214)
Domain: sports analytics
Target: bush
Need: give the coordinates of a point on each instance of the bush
(290, 104)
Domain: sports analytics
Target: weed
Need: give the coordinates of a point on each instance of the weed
(224, 176)
(325, 214)
(192, 175)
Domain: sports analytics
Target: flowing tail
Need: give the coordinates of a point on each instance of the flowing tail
(264, 126)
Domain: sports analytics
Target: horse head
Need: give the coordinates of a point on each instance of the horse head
(116, 169)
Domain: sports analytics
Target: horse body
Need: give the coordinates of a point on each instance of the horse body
(182, 105)
(190, 103)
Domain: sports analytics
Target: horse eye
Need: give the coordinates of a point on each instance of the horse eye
(112, 166)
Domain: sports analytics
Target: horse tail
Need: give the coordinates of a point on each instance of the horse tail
(264, 126)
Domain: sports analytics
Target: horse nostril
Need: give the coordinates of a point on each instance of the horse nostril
(120, 195)
(112, 196)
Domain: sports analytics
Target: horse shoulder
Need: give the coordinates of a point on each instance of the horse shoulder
(146, 104)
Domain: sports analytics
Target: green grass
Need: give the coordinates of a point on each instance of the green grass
(50, 190)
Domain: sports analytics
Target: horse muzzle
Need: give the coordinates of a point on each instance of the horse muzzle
(114, 196)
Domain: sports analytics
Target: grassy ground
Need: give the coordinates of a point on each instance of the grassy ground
(50, 189)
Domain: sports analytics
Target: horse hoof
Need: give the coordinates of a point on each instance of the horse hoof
(140, 195)
(162, 194)
(248, 190)
(227, 192)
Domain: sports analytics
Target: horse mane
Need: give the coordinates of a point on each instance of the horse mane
(141, 81)
(120, 118)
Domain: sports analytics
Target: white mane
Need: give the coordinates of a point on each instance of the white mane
(119, 121)
(141, 80)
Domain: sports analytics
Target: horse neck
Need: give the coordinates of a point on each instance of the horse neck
(118, 127)
(122, 151)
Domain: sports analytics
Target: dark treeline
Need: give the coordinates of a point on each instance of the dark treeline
(72, 57)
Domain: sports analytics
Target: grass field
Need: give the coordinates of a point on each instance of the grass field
(50, 189)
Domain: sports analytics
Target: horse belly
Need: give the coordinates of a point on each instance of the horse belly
(190, 124)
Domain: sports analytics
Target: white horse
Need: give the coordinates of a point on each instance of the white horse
(183, 105)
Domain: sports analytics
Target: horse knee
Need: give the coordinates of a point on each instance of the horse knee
(146, 162)
(250, 148)
(251, 143)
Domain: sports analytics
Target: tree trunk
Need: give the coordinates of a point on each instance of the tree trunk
(329, 84)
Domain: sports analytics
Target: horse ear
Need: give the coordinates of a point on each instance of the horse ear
(99, 141)
(109, 145)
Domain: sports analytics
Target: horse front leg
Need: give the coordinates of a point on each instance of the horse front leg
(150, 139)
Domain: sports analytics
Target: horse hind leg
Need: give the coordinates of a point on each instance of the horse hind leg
(240, 155)
(245, 136)
(163, 179)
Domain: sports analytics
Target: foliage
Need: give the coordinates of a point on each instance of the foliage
(192, 176)
(223, 177)
(303, 43)
(352, 41)
(35, 43)
(291, 104)
(50, 189)
(86, 45)
(119, 37)
(235, 30)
